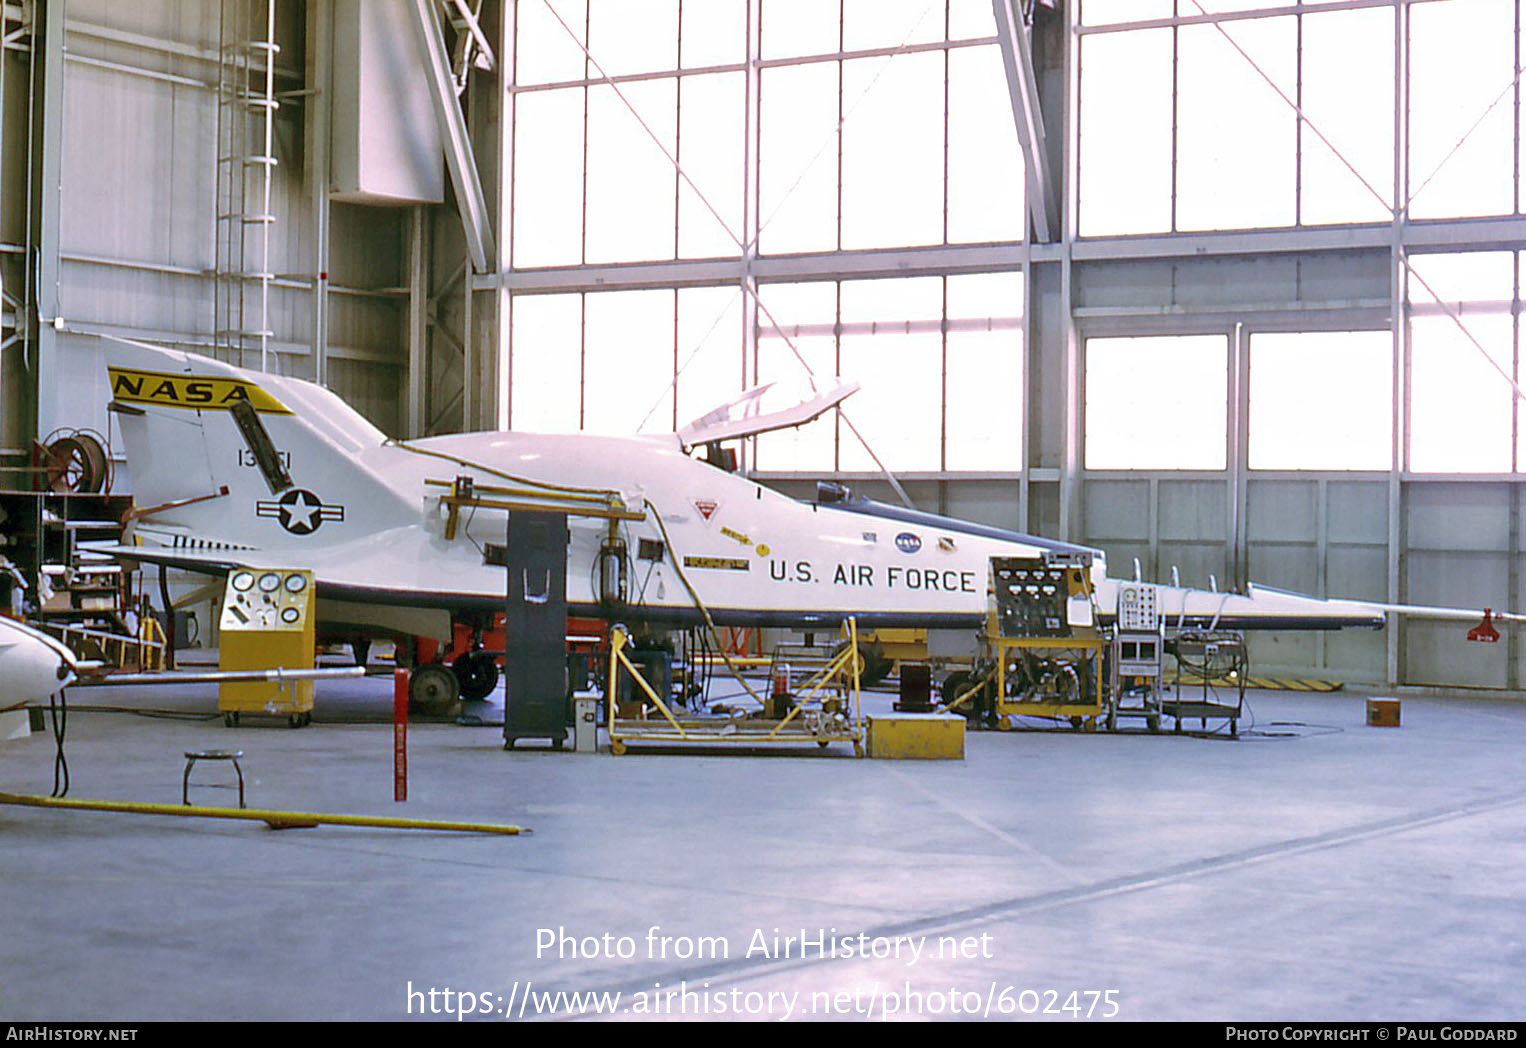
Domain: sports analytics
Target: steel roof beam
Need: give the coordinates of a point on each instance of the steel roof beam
(459, 158)
(1022, 85)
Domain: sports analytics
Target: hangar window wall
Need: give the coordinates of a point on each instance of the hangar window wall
(817, 126)
(1186, 123)
(1157, 403)
(1465, 346)
(1321, 400)
(881, 125)
(1324, 400)
(939, 360)
(1316, 400)
(1182, 127)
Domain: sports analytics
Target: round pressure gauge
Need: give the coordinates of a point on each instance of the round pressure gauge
(242, 580)
(290, 615)
(296, 583)
(270, 582)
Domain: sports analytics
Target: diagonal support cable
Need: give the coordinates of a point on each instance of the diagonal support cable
(1467, 135)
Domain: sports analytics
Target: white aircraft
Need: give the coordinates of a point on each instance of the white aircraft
(33, 665)
(238, 469)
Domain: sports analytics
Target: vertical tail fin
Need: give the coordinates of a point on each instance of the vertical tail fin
(235, 457)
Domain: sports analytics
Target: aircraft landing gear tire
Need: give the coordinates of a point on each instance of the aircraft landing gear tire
(433, 691)
(873, 666)
(477, 675)
(977, 708)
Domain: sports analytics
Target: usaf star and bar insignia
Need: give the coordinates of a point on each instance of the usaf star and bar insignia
(299, 511)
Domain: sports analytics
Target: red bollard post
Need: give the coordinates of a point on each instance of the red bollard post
(399, 735)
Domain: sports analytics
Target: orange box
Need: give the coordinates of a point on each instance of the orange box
(1383, 713)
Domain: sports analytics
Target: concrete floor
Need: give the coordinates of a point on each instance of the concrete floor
(1314, 869)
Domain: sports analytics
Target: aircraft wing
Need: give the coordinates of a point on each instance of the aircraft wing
(744, 417)
(1413, 611)
(1259, 608)
(398, 566)
(202, 561)
(1420, 611)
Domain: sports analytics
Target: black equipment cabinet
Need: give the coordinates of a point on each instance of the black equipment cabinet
(536, 700)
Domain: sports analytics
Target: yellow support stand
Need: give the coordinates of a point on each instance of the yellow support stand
(813, 719)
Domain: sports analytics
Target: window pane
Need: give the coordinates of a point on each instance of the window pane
(1236, 159)
(898, 410)
(798, 162)
(985, 165)
(968, 19)
(631, 184)
(548, 178)
(628, 362)
(1348, 93)
(545, 377)
(1470, 276)
(892, 193)
(912, 298)
(804, 448)
(714, 33)
(544, 51)
(1126, 133)
(978, 296)
(890, 23)
(1461, 75)
(1321, 400)
(633, 36)
(801, 27)
(783, 308)
(983, 402)
(1108, 12)
(790, 306)
(1157, 403)
(710, 365)
(710, 153)
(1460, 406)
(1215, 7)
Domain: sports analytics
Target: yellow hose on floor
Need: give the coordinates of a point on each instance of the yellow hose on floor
(277, 820)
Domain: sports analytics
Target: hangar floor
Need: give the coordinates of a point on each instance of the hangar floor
(1314, 869)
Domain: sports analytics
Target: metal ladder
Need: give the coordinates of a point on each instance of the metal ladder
(246, 162)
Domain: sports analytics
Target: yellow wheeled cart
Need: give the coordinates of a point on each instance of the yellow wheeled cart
(1050, 677)
(267, 624)
(1041, 628)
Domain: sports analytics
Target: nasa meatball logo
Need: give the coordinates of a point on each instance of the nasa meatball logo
(906, 542)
